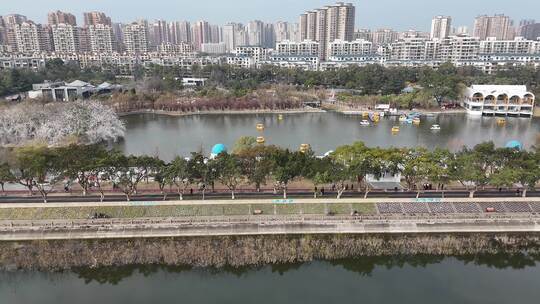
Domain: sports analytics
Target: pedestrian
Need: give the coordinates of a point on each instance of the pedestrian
(322, 191)
(191, 191)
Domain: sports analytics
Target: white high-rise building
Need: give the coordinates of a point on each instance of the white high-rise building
(453, 49)
(234, 34)
(255, 33)
(409, 49)
(30, 37)
(441, 27)
(101, 38)
(498, 26)
(324, 25)
(136, 38)
(65, 38)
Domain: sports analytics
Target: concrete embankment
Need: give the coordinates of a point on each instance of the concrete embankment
(159, 228)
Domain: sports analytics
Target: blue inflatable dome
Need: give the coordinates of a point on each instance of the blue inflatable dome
(218, 149)
(514, 144)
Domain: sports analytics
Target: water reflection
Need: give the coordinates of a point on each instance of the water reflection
(486, 279)
(363, 266)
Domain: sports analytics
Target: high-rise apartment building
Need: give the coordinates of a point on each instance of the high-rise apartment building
(453, 48)
(234, 34)
(255, 33)
(13, 19)
(530, 31)
(498, 26)
(159, 33)
(384, 36)
(31, 37)
(65, 38)
(59, 17)
(327, 24)
(95, 18)
(101, 38)
(136, 38)
(216, 36)
(441, 27)
(201, 34)
(180, 32)
(409, 49)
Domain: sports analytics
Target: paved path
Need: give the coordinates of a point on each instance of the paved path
(21, 197)
(171, 228)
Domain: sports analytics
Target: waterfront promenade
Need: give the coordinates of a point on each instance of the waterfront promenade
(392, 216)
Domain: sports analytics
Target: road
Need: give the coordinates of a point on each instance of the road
(265, 195)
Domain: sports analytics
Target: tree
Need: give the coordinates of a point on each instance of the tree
(333, 171)
(127, 172)
(465, 168)
(506, 177)
(229, 171)
(256, 164)
(36, 167)
(244, 143)
(202, 170)
(415, 166)
(82, 163)
(437, 166)
(159, 172)
(286, 166)
(526, 167)
(178, 174)
(5, 175)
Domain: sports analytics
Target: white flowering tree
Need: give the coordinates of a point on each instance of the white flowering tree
(55, 124)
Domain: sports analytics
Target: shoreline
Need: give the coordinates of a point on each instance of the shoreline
(241, 251)
(237, 112)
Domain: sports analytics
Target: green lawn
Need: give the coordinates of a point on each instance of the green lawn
(49, 213)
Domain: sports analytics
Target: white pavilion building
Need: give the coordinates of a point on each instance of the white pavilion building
(500, 100)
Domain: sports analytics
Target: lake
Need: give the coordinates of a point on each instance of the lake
(168, 136)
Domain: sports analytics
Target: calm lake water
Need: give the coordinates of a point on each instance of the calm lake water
(486, 279)
(168, 136)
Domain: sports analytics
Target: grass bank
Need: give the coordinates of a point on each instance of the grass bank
(82, 212)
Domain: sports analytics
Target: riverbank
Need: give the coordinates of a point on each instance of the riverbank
(360, 110)
(237, 251)
(218, 112)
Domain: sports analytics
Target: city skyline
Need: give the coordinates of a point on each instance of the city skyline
(415, 14)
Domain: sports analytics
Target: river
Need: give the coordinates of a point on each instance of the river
(168, 136)
(420, 279)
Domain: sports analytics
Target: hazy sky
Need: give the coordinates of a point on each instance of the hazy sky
(399, 14)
